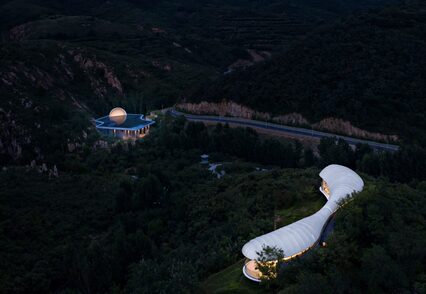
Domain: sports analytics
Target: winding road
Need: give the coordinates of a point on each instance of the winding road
(285, 130)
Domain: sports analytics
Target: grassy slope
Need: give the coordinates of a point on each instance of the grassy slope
(231, 279)
(298, 211)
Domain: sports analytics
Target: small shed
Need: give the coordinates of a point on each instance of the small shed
(204, 159)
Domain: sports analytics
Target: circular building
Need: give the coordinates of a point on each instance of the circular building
(123, 125)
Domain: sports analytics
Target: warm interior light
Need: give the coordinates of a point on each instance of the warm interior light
(252, 270)
(325, 187)
(118, 115)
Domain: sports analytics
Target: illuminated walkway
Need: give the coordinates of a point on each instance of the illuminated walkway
(338, 183)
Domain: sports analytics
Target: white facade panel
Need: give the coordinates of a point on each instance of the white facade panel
(299, 236)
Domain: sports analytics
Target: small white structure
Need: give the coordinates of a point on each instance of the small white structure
(295, 239)
(204, 159)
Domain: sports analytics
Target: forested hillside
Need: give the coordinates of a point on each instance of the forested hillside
(82, 213)
(149, 218)
(70, 61)
(378, 244)
(368, 69)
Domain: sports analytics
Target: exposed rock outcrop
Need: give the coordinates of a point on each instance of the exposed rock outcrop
(254, 57)
(33, 82)
(18, 33)
(93, 64)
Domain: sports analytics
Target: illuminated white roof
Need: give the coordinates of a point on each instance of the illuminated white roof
(303, 234)
(118, 115)
(117, 111)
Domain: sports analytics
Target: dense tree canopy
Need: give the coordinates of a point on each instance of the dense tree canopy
(85, 214)
(149, 218)
(367, 69)
(378, 244)
(141, 218)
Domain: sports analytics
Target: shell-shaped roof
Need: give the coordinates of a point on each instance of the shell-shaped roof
(303, 234)
(341, 181)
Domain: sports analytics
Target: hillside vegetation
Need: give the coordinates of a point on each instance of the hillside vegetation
(143, 218)
(367, 69)
(149, 218)
(71, 61)
(81, 213)
(381, 236)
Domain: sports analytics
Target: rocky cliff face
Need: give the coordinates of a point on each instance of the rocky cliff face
(91, 64)
(9, 132)
(333, 125)
(45, 96)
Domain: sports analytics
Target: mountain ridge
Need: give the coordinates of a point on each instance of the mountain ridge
(81, 58)
(367, 69)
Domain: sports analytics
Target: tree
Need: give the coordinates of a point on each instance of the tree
(149, 192)
(154, 276)
(309, 158)
(337, 151)
(123, 199)
(269, 262)
(144, 108)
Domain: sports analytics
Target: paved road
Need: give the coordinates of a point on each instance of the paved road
(293, 131)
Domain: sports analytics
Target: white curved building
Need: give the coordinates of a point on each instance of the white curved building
(338, 183)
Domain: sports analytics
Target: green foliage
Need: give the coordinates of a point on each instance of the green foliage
(405, 165)
(367, 69)
(167, 277)
(332, 151)
(269, 261)
(231, 280)
(141, 56)
(296, 206)
(377, 245)
(149, 218)
(99, 227)
(241, 142)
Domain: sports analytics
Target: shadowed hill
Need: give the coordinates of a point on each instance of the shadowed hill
(72, 60)
(369, 69)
